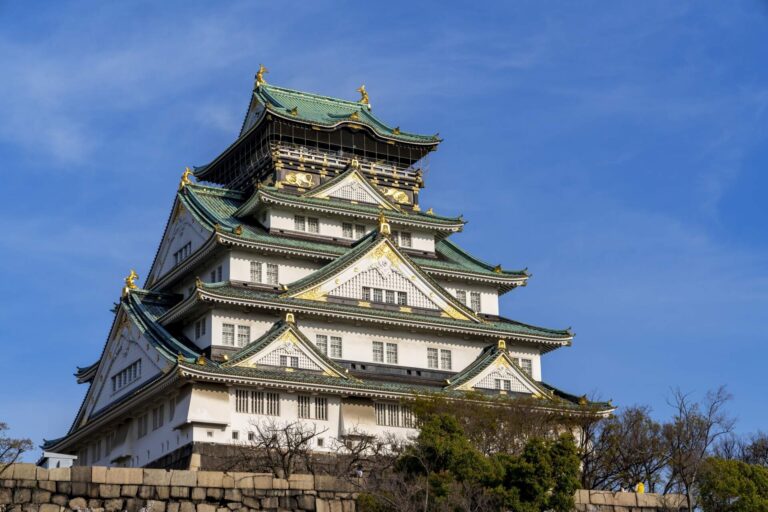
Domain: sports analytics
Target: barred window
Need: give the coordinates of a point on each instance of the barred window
(392, 353)
(322, 343)
(377, 295)
(289, 361)
(445, 359)
(527, 366)
(248, 401)
(142, 426)
(321, 408)
(474, 301)
(304, 406)
(313, 225)
(405, 240)
(256, 272)
(335, 346)
(182, 253)
(366, 293)
(347, 230)
(158, 414)
(272, 275)
(228, 334)
(273, 404)
(389, 296)
(299, 223)
(243, 335)
(359, 231)
(431, 358)
(461, 296)
(378, 352)
(402, 298)
(219, 274)
(128, 375)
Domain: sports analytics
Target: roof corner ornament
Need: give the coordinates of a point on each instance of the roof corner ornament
(238, 230)
(354, 116)
(185, 178)
(497, 269)
(260, 76)
(396, 130)
(130, 282)
(430, 211)
(179, 357)
(290, 318)
(201, 360)
(583, 400)
(364, 99)
(198, 282)
(354, 163)
(502, 345)
(384, 228)
(294, 111)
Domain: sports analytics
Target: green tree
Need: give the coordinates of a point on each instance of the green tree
(733, 486)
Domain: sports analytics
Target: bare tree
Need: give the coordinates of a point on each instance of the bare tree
(10, 448)
(694, 429)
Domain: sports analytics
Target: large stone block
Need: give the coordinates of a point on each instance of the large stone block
(600, 498)
(78, 504)
(80, 474)
(156, 477)
(163, 492)
(94, 503)
(113, 505)
(232, 495)
(60, 499)
(155, 506)
(64, 487)
(49, 507)
(60, 474)
(21, 496)
(321, 505)
(179, 492)
(47, 485)
(41, 473)
(305, 502)
(130, 476)
(198, 494)
(183, 477)
(301, 482)
(173, 506)
(625, 499)
(186, 506)
(279, 483)
(146, 492)
(249, 502)
(109, 491)
(129, 491)
(99, 475)
(41, 496)
(205, 507)
(22, 472)
(6, 496)
(214, 493)
(30, 507)
(210, 478)
(271, 502)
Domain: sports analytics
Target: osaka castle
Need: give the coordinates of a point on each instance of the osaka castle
(299, 280)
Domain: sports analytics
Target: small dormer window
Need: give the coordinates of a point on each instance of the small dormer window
(289, 361)
(182, 253)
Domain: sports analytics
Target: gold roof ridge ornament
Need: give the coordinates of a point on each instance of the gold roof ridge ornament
(260, 76)
(130, 282)
(294, 111)
(290, 318)
(396, 130)
(185, 178)
(354, 163)
(354, 116)
(384, 228)
(502, 345)
(364, 99)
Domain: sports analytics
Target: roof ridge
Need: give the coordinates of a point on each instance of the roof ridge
(315, 96)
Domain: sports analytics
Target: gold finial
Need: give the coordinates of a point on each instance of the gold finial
(502, 345)
(396, 130)
(130, 282)
(363, 96)
(238, 230)
(198, 282)
(583, 400)
(185, 178)
(289, 318)
(384, 228)
(260, 75)
(497, 269)
(180, 358)
(225, 357)
(354, 116)
(201, 360)
(430, 211)
(294, 111)
(354, 163)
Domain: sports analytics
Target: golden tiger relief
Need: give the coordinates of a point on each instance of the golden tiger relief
(299, 179)
(397, 195)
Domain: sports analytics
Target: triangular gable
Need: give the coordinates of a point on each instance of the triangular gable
(352, 185)
(277, 346)
(498, 373)
(379, 264)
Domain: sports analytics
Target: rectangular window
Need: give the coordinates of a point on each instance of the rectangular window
(272, 276)
(497, 383)
(255, 271)
(405, 240)
(445, 359)
(381, 413)
(336, 347)
(313, 225)
(235, 435)
(507, 385)
(527, 366)
(182, 253)
(248, 401)
(304, 406)
(377, 295)
(402, 298)
(126, 376)
(289, 361)
(142, 426)
(461, 296)
(321, 408)
(347, 231)
(378, 352)
(431, 358)
(366, 293)
(219, 274)
(273, 404)
(299, 223)
(474, 301)
(213, 276)
(359, 231)
(158, 414)
(228, 334)
(243, 335)
(392, 353)
(393, 415)
(389, 296)
(322, 343)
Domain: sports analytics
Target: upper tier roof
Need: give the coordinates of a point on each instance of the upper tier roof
(327, 112)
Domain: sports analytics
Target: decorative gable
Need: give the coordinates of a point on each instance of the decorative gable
(289, 349)
(502, 374)
(383, 274)
(352, 186)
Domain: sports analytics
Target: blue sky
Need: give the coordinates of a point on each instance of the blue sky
(617, 149)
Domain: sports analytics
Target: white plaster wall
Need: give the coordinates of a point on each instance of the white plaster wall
(489, 296)
(290, 270)
(182, 230)
(359, 417)
(204, 341)
(260, 323)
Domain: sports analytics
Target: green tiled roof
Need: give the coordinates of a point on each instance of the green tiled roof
(330, 112)
(511, 327)
(213, 205)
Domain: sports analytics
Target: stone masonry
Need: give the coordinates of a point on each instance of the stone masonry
(27, 488)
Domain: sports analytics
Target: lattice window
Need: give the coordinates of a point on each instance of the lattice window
(490, 382)
(272, 273)
(445, 359)
(347, 230)
(322, 343)
(432, 358)
(359, 231)
(243, 335)
(527, 366)
(127, 375)
(321, 408)
(292, 358)
(313, 225)
(392, 353)
(336, 347)
(474, 301)
(353, 191)
(228, 334)
(256, 275)
(299, 223)
(304, 406)
(371, 285)
(273, 404)
(378, 352)
(461, 296)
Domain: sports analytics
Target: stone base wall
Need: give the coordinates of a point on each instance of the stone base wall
(27, 488)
